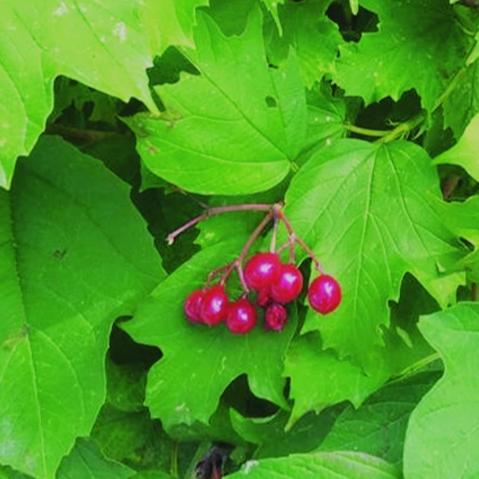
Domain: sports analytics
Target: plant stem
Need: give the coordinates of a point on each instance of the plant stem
(402, 129)
(272, 246)
(174, 460)
(450, 185)
(413, 368)
(474, 292)
(238, 262)
(216, 210)
(81, 134)
(365, 131)
(293, 238)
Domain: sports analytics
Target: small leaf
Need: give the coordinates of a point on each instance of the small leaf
(386, 63)
(324, 465)
(87, 461)
(378, 427)
(465, 152)
(443, 433)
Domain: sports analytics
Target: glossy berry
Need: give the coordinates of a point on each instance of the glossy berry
(275, 317)
(214, 306)
(263, 297)
(262, 270)
(288, 285)
(324, 294)
(241, 316)
(192, 306)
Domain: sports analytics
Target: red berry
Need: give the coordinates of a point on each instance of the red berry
(263, 297)
(214, 306)
(192, 306)
(241, 316)
(262, 270)
(289, 284)
(275, 317)
(324, 294)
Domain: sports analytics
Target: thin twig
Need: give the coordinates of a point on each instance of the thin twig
(216, 210)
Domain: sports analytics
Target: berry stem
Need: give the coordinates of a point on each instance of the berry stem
(238, 262)
(216, 272)
(213, 211)
(294, 238)
(272, 247)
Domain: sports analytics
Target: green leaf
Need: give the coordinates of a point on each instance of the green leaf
(274, 441)
(74, 255)
(131, 438)
(443, 433)
(125, 385)
(198, 362)
(340, 203)
(87, 461)
(354, 6)
(378, 427)
(235, 128)
(324, 465)
(170, 22)
(49, 34)
(465, 152)
(388, 62)
(314, 37)
(463, 102)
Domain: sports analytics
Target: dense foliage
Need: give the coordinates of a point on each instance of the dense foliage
(121, 120)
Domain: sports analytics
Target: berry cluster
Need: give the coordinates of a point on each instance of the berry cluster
(274, 283)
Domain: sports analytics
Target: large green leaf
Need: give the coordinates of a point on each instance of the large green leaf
(74, 256)
(100, 44)
(198, 362)
(233, 129)
(341, 202)
(443, 433)
(411, 39)
(320, 465)
(465, 152)
(378, 427)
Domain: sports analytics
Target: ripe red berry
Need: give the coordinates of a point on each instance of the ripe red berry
(275, 317)
(241, 316)
(263, 297)
(324, 294)
(192, 306)
(214, 306)
(288, 285)
(262, 270)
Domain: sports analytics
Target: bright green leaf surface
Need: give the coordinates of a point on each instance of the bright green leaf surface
(341, 203)
(86, 461)
(320, 465)
(198, 363)
(443, 433)
(235, 128)
(465, 152)
(419, 45)
(74, 256)
(113, 57)
(378, 427)
(170, 22)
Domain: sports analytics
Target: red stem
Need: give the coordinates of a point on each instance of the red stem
(293, 238)
(216, 210)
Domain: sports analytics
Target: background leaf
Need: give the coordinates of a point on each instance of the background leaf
(48, 34)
